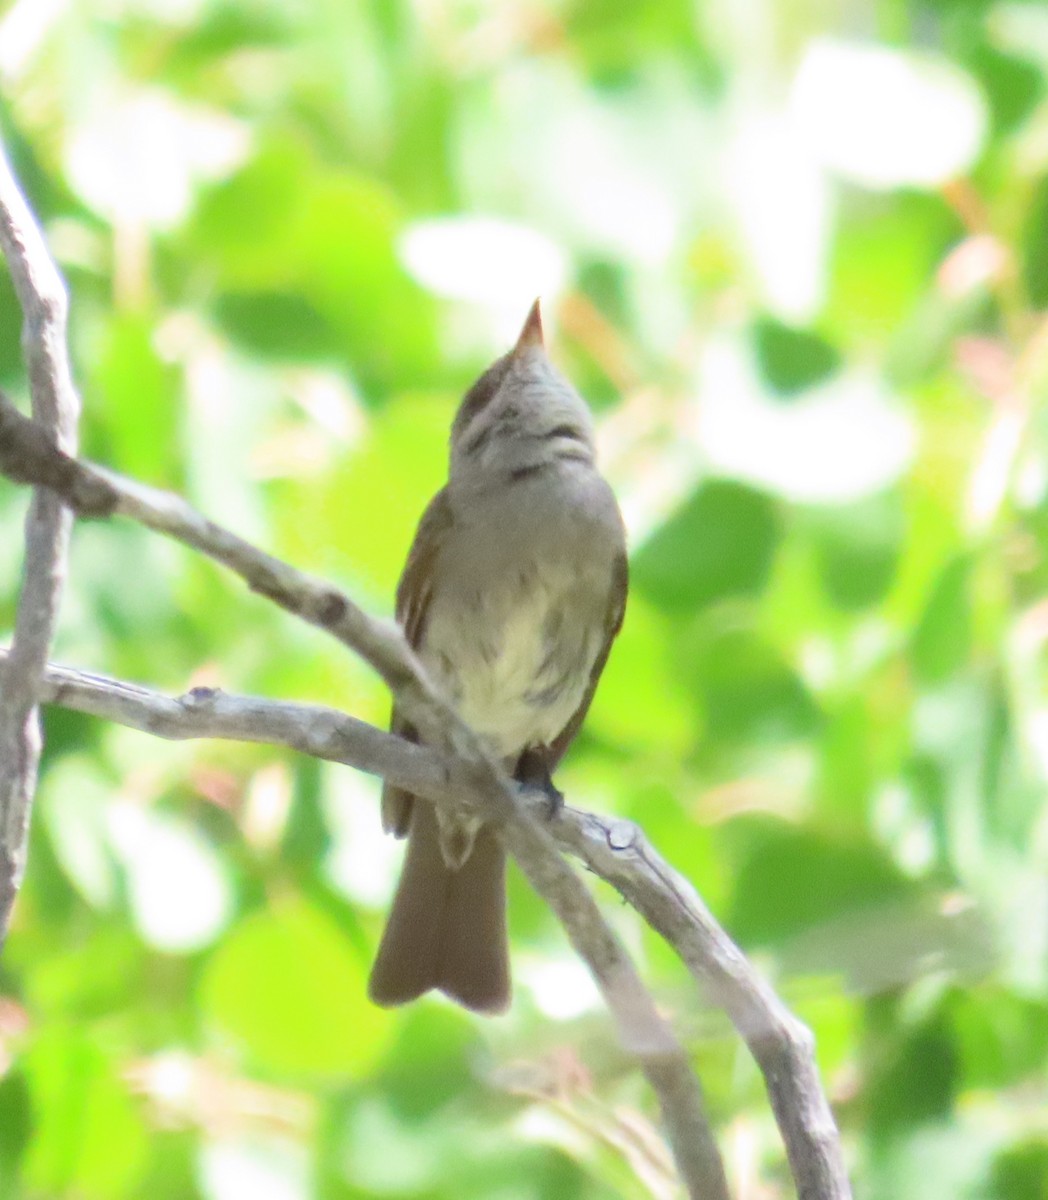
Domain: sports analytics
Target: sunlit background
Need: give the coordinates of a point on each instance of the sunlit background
(795, 256)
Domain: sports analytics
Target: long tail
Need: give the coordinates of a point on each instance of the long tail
(447, 929)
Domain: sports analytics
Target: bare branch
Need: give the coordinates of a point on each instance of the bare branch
(783, 1046)
(25, 457)
(42, 296)
(613, 849)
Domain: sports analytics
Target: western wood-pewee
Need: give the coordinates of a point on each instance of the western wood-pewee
(513, 590)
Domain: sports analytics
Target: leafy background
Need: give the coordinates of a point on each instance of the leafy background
(794, 254)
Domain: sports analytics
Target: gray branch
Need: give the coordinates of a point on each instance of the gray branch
(27, 456)
(613, 849)
(41, 294)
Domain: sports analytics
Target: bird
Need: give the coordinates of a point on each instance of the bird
(513, 591)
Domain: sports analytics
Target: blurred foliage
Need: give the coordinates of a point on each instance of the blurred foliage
(794, 255)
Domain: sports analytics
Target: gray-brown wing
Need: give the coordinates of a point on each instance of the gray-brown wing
(613, 623)
(414, 593)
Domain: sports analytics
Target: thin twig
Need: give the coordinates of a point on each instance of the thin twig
(613, 849)
(26, 456)
(42, 296)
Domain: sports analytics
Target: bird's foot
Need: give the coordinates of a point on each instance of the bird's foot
(533, 774)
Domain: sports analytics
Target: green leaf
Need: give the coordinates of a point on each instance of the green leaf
(244, 227)
(720, 543)
(857, 548)
(1020, 1172)
(368, 506)
(1035, 248)
(348, 268)
(612, 38)
(942, 640)
(100, 975)
(932, 1159)
(15, 1128)
(139, 399)
(434, 1046)
(1012, 85)
(641, 701)
(915, 1078)
(846, 772)
(790, 359)
(792, 880)
(10, 330)
(277, 325)
(287, 990)
(1002, 1038)
(173, 1171)
(89, 1138)
(882, 257)
(749, 693)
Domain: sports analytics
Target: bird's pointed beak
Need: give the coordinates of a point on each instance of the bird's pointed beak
(531, 334)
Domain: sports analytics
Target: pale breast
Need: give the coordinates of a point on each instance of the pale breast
(518, 617)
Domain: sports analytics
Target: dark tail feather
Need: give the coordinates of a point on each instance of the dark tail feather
(473, 964)
(447, 929)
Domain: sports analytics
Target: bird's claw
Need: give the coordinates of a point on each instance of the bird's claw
(533, 775)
